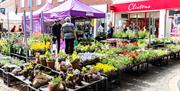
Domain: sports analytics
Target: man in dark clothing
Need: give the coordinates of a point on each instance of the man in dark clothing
(56, 32)
(110, 30)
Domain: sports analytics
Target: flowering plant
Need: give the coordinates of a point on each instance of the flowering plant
(106, 68)
(39, 46)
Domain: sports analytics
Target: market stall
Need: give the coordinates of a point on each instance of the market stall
(74, 9)
(93, 66)
(37, 18)
(90, 64)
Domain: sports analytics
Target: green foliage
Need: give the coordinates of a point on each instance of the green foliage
(50, 59)
(90, 47)
(120, 34)
(117, 61)
(74, 57)
(130, 34)
(42, 57)
(131, 47)
(145, 55)
(56, 80)
(47, 53)
(4, 45)
(142, 34)
(142, 42)
(62, 56)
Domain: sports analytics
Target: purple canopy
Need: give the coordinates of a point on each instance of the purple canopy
(73, 8)
(36, 18)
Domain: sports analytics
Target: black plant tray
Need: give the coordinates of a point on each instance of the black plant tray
(20, 56)
(138, 68)
(160, 61)
(99, 85)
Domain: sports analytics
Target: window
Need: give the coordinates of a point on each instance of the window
(2, 10)
(2, 0)
(22, 3)
(30, 2)
(49, 1)
(60, 0)
(38, 2)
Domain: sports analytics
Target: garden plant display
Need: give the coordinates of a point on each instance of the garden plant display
(63, 71)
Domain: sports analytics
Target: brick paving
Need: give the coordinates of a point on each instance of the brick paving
(157, 79)
(4, 87)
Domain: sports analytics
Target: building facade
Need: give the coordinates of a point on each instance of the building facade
(102, 5)
(8, 5)
(161, 16)
(24, 4)
(9, 8)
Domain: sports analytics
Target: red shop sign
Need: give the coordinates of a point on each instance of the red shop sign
(146, 5)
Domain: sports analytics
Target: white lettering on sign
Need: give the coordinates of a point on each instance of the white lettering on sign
(134, 6)
(89, 14)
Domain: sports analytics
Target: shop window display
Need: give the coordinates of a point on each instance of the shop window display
(176, 25)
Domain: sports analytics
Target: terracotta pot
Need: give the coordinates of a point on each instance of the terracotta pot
(43, 62)
(123, 43)
(70, 84)
(52, 87)
(61, 87)
(75, 64)
(31, 75)
(134, 43)
(50, 64)
(37, 61)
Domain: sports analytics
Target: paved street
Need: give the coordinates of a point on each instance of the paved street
(4, 87)
(157, 79)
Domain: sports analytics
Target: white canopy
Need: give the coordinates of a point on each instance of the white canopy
(13, 16)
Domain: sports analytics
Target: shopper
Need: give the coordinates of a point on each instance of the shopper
(110, 30)
(13, 29)
(56, 32)
(19, 29)
(125, 28)
(69, 35)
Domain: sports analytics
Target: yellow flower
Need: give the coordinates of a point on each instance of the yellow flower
(104, 67)
(40, 45)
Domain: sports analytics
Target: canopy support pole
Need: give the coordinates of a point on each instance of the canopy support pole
(8, 26)
(149, 30)
(31, 16)
(25, 36)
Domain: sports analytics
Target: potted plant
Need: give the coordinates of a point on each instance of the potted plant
(56, 84)
(43, 60)
(40, 79)
(50, 62)
(78, 77)
(28, 73)
(64, 67)
(70, 81)
(75, 60)
(37, 58)
(62, 56)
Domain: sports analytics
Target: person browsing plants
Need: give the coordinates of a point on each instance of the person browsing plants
(69, 35)
(56, 31)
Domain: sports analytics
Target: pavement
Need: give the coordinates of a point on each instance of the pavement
(165, 78)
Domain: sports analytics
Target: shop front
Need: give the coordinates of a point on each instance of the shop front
(154, 15)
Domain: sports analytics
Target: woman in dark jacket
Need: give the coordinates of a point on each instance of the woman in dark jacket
(110, 30)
